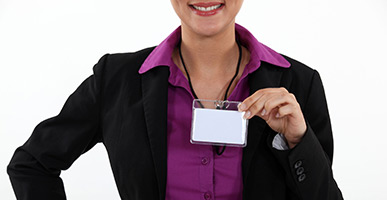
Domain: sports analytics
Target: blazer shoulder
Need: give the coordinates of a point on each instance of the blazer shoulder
(119, 63)
(298, 73)
(116, 71)
(298, 67)
(299, 79)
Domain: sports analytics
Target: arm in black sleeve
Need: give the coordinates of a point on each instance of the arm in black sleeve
(57, 142)
(308, 165)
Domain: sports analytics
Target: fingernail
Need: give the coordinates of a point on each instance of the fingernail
(242, 106)
(263, 112)
(247, 115)
(277, 115)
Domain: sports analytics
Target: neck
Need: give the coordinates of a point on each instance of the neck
(210, 54)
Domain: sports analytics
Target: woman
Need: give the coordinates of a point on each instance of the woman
(139, 105)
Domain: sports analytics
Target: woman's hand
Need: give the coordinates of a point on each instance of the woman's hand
(280, 110)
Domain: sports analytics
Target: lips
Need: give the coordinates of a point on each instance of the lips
(207, 8)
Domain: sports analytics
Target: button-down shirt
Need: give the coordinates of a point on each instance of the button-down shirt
(196, 171)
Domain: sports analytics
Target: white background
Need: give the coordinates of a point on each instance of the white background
(48, 47)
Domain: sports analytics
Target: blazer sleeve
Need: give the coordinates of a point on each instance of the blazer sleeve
(308, 165)
(57, 142)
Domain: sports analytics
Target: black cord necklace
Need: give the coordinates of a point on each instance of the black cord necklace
(228, 87)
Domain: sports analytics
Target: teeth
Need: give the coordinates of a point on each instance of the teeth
(207, 8)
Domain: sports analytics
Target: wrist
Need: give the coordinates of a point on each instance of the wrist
(294, 139)
(293, 144)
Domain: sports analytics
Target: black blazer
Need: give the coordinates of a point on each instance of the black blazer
(127, 112)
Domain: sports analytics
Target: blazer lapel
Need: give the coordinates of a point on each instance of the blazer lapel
(155, 98)
(265, 76)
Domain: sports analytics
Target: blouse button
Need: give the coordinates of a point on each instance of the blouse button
(207, 196)
(205, 161)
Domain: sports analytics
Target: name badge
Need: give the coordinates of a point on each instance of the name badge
(218, 123)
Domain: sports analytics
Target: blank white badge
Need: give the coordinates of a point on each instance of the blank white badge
(218, 127)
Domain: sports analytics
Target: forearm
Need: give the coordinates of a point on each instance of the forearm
(308, 169)
(31, 180)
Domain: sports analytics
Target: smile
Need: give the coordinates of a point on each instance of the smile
(210, 8)
(206, 9)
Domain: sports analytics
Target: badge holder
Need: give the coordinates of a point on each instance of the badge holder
(218, 123)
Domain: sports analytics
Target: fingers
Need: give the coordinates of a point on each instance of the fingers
(249, 101)
(279, 109)
(285, 110)
(282, 104)
(263, 102)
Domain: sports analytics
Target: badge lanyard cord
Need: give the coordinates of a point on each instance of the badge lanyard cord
(228, 88)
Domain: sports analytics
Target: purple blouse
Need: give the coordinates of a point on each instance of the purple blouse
(196, 171)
